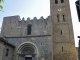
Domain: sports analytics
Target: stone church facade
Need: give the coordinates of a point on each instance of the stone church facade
(41, 39)
(31, 37)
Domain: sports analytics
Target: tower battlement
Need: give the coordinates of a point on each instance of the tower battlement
(48, 38)
(35, 20)
(18, 26)
(16, 18)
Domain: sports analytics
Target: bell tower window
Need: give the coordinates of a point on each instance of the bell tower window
(61, 32)
(29, 30)
(62, 49)
(58, 18)
(56, 1)
(62, 1)
(64, 18)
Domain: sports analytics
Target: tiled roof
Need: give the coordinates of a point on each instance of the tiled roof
(5, 41)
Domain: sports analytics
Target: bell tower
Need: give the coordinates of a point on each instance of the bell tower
(62, 31)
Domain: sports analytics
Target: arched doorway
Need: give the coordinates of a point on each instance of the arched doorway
(27, 51)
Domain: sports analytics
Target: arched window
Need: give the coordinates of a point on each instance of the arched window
(29, 30)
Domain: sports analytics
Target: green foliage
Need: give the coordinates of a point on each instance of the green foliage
(1, 7)
(1, 1)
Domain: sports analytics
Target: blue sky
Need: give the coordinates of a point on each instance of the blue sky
(26, 8)
(36, 8)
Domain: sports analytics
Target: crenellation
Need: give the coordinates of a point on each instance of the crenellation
(39, 26)
(35, 18)
(48, 18)
(23, 18)
(41, 18)
(41, 39)
(28, 18)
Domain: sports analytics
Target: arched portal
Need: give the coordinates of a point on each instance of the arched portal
(27, 51)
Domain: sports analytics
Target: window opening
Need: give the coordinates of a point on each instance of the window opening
(64, 18)
(56, 1)
(62, 1)
(62, 49)
(29, 30)
(7, 52)
(58, 18)
(28, 58)
(61, 32)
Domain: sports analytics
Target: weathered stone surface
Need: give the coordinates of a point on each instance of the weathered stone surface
(3, 47)
(12, 26)
(43, 43)
(50, 39)
(62, 31)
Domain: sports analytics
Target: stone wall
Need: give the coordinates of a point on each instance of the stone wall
(1, 49)
(77, 49)
(10, 54)
(15, 31)
(62, 31)
(14, 26)
(43, 44)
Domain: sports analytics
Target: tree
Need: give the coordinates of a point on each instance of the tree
(1, 7)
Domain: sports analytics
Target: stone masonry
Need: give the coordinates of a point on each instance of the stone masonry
(18, 27)
(42, 39)
(4, 45)
(62, 31)
(15, 31)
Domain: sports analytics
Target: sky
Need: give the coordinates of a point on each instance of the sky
(36, 8)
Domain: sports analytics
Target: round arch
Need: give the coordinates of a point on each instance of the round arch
(27, 49)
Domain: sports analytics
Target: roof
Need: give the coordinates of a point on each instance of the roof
(5, 41)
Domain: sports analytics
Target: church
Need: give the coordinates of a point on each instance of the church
(39, 39)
